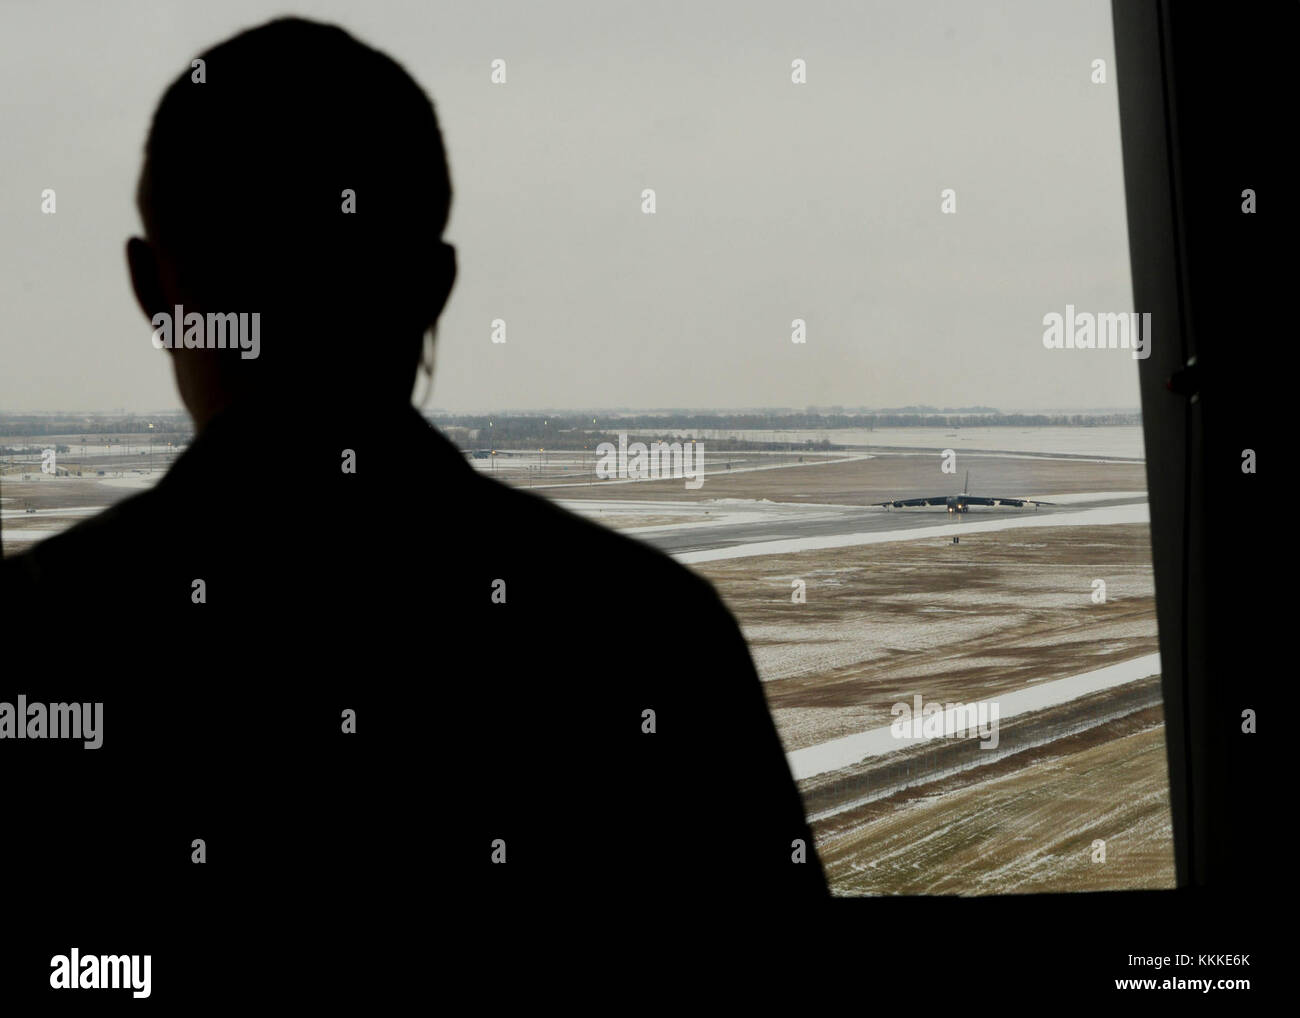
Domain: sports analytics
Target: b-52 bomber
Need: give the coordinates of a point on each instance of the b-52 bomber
(961, 503)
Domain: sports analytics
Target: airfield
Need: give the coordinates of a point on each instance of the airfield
(894, 609)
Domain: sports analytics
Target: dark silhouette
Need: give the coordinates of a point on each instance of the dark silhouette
(372, 591)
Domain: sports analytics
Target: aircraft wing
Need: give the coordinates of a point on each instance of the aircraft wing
(1001, 500)
(899, 503)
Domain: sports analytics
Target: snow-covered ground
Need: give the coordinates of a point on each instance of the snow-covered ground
(25, 534)
(135, 482)
(1090, 496)
(711, 466)
(23, 514)
(1123, 441)
(851, 749)
(714, 512)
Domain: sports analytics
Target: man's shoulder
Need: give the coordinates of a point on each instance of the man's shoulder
(109, 539)
(463, 521)
(536, 531)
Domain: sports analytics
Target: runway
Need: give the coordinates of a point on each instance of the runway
(747, 524)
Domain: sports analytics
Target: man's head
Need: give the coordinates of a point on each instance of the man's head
(303, 179)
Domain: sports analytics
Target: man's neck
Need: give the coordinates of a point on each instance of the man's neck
(338, 412)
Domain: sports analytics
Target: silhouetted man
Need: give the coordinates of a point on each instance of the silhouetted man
(365, 675)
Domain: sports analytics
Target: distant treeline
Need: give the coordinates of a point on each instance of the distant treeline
(575, 432)
(73, 424)
(30, 450)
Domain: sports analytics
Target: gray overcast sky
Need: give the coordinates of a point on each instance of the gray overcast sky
(775, 201)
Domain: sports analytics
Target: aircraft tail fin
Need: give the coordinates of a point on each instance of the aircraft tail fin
(965, 485)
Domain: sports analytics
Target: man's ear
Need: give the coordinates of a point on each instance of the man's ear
(145, 278)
